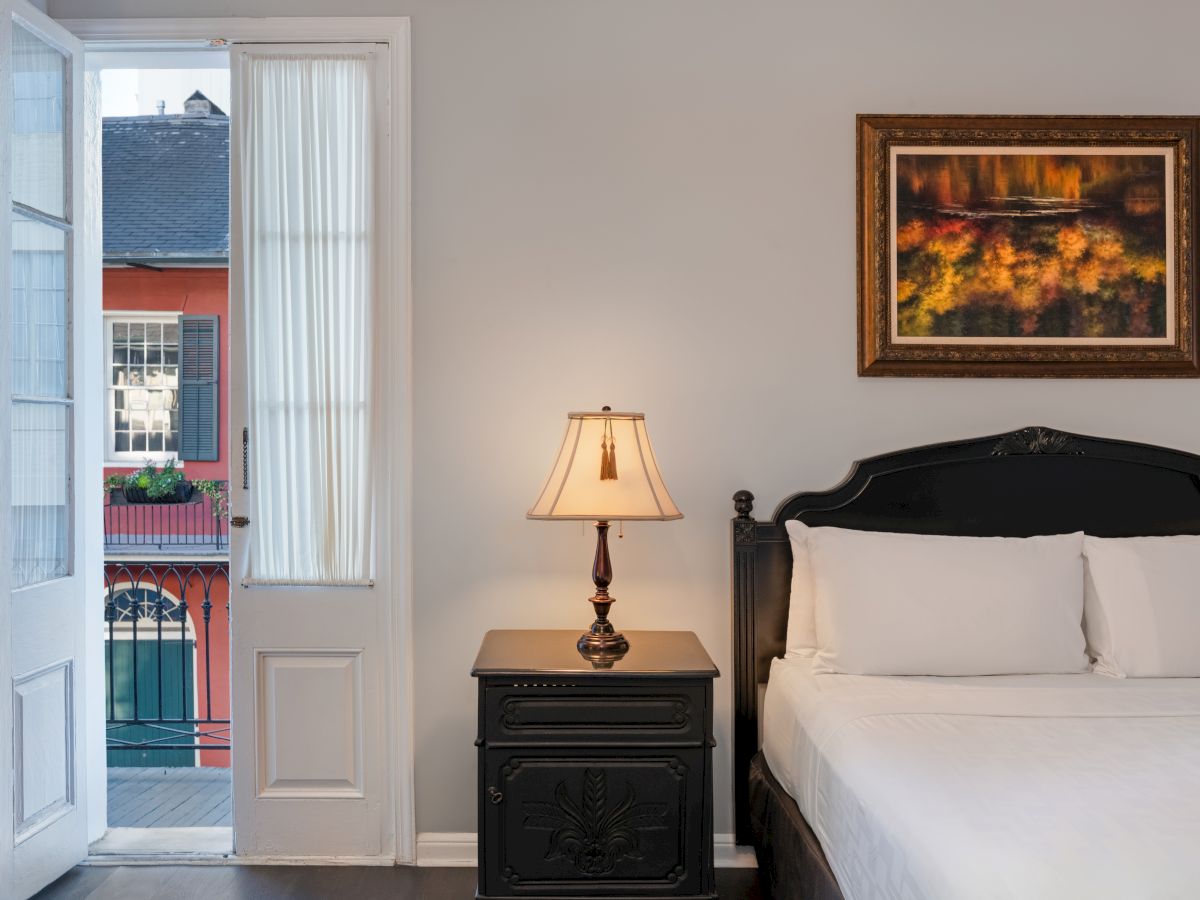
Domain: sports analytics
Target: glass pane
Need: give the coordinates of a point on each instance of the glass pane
(39, 309)
(39, 76)
(39, 480)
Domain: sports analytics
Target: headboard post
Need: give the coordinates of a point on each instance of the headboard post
(745, 681)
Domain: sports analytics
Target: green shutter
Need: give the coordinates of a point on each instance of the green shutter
(199, 387)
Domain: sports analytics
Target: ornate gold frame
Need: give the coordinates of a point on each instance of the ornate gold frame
(879, 355)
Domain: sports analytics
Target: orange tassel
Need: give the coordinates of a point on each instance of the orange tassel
(612, 460)
(603, 459)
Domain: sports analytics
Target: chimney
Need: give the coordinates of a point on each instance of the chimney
(162, 107)
(197, 105)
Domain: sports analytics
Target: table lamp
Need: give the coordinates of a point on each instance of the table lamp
(605, 470)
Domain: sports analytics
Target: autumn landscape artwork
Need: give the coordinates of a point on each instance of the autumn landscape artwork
(1025, 245)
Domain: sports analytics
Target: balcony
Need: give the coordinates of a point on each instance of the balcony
(166, 660)
(187, 529)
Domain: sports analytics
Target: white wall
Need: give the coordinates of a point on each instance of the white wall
(650, 204)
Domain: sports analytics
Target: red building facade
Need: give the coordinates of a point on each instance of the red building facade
(166, 301)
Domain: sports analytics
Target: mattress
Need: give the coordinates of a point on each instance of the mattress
(1018, 786)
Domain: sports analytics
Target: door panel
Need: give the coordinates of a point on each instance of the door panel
(44, 747)
(311, 770)
(45, 471)
(311, 731)
(607, 822)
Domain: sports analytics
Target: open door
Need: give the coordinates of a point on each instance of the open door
(44, 580)
(310, 268)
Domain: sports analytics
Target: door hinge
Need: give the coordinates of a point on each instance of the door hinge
(239, 521)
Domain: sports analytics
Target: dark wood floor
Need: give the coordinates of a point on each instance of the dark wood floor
(300, 883)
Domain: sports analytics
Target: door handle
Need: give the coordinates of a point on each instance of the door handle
(239, 521)
(495, 796)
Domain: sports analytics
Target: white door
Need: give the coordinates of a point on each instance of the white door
(311, 266)
(45, 575)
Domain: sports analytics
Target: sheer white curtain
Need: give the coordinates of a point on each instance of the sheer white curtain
(306, 124)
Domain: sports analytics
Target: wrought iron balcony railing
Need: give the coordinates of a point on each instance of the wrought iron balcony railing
(192, 528)
(166, 662)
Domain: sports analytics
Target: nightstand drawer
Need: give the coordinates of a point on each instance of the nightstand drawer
(586, 824)
(661, 713)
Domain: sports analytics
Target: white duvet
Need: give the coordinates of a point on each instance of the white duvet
(1019, 786)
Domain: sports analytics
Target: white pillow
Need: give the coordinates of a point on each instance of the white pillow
(1142, 605)
(801, 622)
(909, 604)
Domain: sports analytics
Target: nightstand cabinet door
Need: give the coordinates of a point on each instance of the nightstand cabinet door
(578, 823)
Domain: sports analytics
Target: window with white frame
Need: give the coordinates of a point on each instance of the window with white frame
(143, 386)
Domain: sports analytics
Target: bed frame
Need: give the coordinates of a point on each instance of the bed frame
(1032, 481)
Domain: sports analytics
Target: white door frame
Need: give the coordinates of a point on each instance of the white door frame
(396, 535)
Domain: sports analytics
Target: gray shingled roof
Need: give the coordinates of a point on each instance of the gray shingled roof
(166, 187)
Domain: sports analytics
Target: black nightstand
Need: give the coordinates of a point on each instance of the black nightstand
(595, 782)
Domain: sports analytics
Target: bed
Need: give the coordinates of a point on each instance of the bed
(859, 787)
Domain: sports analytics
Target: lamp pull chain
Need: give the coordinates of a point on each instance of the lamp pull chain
(621, 528)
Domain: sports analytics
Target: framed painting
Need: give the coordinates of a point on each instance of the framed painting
(1027, 246)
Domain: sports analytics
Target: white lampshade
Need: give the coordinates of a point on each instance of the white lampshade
(582, 486)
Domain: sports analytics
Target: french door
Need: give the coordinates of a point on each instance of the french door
(311, 182)
(49, 563)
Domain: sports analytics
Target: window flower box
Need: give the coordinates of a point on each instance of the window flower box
(133, 494)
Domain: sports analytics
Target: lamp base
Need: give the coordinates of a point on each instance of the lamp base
(602, 643)
(602, 648)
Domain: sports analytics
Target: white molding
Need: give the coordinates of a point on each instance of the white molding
(459, 849)
(731, 855)
(454, 849)
(279, 29)
(177, 859)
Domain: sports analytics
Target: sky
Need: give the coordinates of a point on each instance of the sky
(136, 92)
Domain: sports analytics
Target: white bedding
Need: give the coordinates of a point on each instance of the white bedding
(1016, 786)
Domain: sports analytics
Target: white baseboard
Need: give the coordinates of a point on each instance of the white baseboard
(459, 850)
(456, 849)
(728, 854)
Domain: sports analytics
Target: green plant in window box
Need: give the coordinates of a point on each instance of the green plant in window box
(152, 485)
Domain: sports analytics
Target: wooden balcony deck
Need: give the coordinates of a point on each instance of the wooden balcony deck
(169, 798)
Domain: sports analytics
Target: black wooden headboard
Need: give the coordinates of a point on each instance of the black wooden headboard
(1026, 482)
